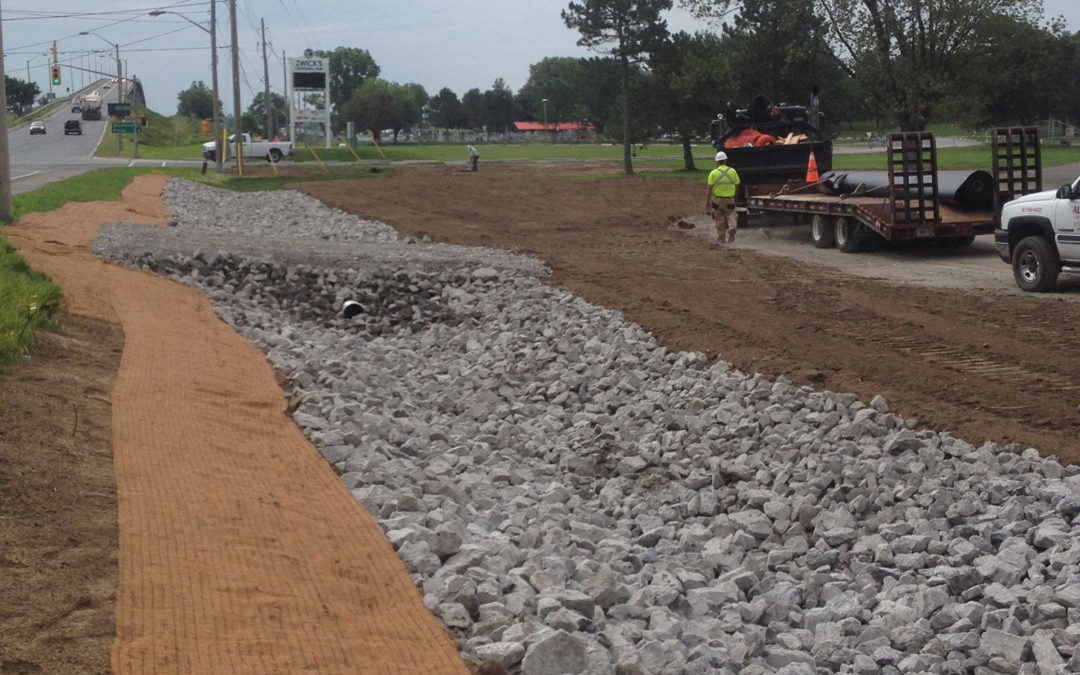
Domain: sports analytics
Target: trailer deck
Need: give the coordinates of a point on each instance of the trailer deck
(912, 209)
(875, 214)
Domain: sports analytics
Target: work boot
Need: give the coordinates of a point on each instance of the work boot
(729, 236)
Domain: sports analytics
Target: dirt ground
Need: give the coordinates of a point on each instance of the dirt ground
(944, 336)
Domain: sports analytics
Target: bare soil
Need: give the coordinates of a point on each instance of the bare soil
(942, 334)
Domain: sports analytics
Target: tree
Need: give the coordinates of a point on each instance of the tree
(473, 104)
(499, 110)
(414, 97)
(626, 30)
(779, 49)
(446, 111)
(683, 86)
(20, 94)
(349, 68)
(379, 105)
(903, 54)
(557, 79)
(1013, 74)
(196, 101)
(279, 112)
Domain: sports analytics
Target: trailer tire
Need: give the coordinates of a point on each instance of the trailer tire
(275, 155)
(844, 233)
(1035, 265)
(822, 232)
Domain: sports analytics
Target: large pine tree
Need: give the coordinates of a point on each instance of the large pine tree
(627, 30)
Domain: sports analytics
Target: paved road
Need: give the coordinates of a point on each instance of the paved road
(40, 159)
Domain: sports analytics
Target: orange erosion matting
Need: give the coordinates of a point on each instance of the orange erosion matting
(240, 551)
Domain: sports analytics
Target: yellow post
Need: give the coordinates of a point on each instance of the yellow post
(349, 147)
(312, 151)
(376, 144)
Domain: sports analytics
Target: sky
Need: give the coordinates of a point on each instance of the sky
(460, 44)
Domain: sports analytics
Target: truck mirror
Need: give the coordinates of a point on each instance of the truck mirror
(1064, 192)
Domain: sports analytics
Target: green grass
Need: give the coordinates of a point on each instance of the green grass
(162, 138)
(28, 301)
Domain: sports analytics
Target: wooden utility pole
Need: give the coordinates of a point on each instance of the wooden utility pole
(5, 160)
(219, 148)
(266, 86)
(238, 124)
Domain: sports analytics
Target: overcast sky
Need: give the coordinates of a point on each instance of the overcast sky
(437, 43)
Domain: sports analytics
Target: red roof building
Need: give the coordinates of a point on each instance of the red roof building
(553, 126)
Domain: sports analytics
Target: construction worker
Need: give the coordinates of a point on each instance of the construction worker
(720, 198)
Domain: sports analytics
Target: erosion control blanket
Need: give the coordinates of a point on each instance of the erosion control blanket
(964, 190)
(240, 550)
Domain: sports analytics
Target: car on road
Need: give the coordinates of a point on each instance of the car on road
(37, 127)
(76, 107)
(73, 127)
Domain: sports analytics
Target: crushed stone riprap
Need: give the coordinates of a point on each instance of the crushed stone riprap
(573, 497)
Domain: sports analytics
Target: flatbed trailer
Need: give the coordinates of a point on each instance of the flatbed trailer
(912, 208)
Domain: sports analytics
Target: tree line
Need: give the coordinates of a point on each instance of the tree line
(899, 63)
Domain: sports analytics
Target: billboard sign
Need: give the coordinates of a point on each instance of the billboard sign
(310, 72)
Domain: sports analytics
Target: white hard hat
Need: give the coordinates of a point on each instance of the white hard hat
(721, 156)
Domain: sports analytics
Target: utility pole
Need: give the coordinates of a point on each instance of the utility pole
(119, 94)
(136, 120)
(5, 161)
(217, 104)
(266, 86)
(238, 125)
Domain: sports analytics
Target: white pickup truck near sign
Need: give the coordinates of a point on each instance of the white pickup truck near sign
(271, 151)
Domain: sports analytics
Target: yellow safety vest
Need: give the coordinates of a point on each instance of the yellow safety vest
(723, 180)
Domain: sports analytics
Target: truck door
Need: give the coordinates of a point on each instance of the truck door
(1067, 225)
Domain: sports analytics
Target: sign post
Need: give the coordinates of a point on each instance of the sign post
(309, 73)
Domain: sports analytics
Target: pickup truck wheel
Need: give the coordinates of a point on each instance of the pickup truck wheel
(844, 233)
(822, 232)
(1036, 265)
(275, 155)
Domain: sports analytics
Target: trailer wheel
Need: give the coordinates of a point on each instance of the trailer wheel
(844, 233)
(821, 232)
(1035, 265)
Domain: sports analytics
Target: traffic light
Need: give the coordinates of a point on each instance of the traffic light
(56, 74)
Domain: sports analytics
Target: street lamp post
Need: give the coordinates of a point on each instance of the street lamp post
(119, 94)
(545, 117)
(213, 67)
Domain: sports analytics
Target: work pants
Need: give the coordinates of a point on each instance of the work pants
(725, 217)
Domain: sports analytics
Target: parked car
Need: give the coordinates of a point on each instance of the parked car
(37, 127)
(73, 127)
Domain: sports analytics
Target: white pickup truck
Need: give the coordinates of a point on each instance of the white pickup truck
(1040, 236)
(269, 150)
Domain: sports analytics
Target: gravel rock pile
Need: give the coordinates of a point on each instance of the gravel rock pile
(572, 497)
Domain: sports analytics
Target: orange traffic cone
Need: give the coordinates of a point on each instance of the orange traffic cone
(811, 169)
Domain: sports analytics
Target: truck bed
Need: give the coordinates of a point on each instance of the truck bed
(874, 213)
